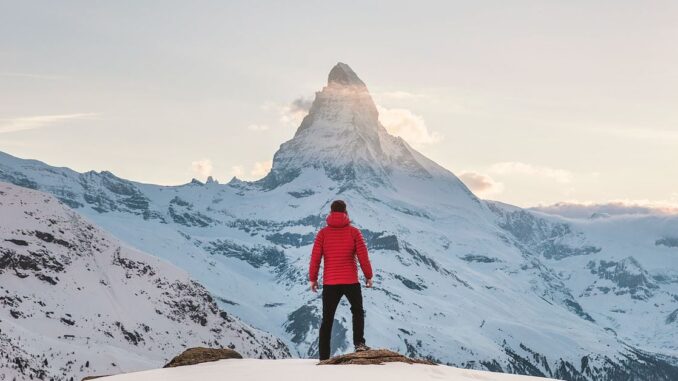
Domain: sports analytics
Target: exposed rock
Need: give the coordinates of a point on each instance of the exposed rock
(373, 357)
(667, 241)
(344, 75)
(200, 355)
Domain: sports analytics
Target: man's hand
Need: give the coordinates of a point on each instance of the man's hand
(368, 283)
(314, 286)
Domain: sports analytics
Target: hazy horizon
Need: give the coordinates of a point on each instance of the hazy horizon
(529, 103)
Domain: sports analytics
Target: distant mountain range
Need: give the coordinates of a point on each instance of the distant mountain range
(460, 280)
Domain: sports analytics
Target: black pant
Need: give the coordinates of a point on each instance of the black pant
(331, 297)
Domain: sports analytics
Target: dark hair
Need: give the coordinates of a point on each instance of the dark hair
(338, 206)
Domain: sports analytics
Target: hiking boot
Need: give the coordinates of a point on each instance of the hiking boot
(362, 348)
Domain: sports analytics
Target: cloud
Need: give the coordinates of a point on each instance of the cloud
(408, 125)
(257, 127)
(202, 167)
(259, 169)
(519, 168)
(238, 171)
(481, 184)
(301, 104)
(40, 121)
(587, 209)
(397, 121)
(292, 114)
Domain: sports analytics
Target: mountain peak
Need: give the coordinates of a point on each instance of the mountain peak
(342, 136)
(342, 74)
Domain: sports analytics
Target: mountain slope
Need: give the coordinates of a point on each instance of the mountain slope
(75, 301)
(468, 282)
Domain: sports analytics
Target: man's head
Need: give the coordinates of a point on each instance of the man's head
(338, 206)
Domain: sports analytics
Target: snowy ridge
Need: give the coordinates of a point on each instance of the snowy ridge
(75, 301)
(467, 282)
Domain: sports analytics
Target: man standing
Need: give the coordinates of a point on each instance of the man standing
(339, 243)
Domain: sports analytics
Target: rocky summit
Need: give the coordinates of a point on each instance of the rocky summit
(343, 75)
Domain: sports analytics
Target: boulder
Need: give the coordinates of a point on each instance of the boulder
(373, 356)
(199, 355)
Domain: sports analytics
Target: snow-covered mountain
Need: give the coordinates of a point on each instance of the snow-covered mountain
(74, 301)
(468, 282)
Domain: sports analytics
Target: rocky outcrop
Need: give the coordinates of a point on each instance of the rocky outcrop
(373, 357)
(200, 355)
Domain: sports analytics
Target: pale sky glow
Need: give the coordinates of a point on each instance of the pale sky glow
(38, 121)
(529, 102)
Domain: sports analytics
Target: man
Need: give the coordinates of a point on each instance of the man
(339, 243)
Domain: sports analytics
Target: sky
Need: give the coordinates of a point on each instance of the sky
(528, 102)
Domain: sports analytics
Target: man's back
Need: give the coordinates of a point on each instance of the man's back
(339, 243)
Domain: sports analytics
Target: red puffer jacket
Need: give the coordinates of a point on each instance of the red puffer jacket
(339, 243)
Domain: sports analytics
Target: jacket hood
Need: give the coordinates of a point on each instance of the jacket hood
(338, 220)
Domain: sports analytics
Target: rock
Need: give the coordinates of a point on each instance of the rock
(199, 355)
(344, 75)
(373, 356)
(93, 377)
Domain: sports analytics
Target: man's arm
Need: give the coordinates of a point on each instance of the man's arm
(316, 258)
(363, 257)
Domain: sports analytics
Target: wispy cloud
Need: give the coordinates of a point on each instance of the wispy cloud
(258, 170)
(203, 167)
(397, 121)
(290, 115)
(408, 125)
(261, 168)
(586, 209)
(481, 184)
(39, 121)
(515, 167)
(294, 113)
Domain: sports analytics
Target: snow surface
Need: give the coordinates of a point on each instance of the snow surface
(298, 370)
